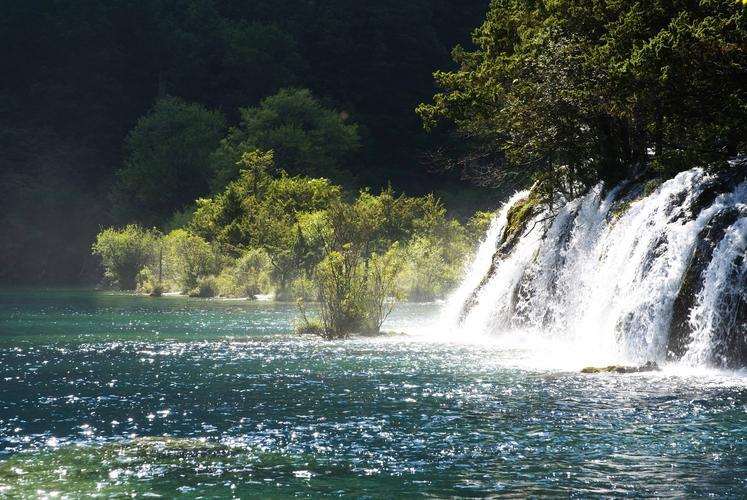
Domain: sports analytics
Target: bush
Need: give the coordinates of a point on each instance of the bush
(435, 259)
(381, 291)
(145, 280)
(339, 282)
(357, 295)
(187, 259)
(249, 275)
(206, 288)
(303, 288)
(125, 253)
(310, 327)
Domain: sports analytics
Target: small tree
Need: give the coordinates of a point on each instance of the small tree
(260, 211)
(247, 276)
(382, 289)
(340, 283)
(125, 252)
(357, 288)
(188, 259)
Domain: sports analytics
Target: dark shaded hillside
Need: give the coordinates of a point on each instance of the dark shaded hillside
(77, 75)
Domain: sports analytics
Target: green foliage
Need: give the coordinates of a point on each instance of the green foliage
(478, 225)
(207, 287)
(147, 279)
(302, 287)
(187, 259)
(298, 237)
(357, 286)
(306, 138)
(382, 290)
(310, 327)
(429, 273)
(573, 92)
(180, 219)
(261, 211)
(125, 253)
(167, 156)
(519, 214)
(247, 276)
(357, 294)
(340, 283)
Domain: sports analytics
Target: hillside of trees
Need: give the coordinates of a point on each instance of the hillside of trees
(90, 86)
(120, 112)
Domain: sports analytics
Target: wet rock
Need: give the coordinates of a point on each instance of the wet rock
(730, 337)
(631, 192)
(709, 237)
(723, 180)
(648, 366)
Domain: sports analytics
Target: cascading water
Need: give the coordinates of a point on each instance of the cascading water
(717, 308)
(619, 275)
(480, 265)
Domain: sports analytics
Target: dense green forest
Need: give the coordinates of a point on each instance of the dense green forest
(120, 112)
(90, 86)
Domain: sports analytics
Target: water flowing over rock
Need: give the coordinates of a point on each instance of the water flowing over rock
(632, 272)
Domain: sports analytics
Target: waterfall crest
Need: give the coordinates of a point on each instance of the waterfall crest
(624, 273)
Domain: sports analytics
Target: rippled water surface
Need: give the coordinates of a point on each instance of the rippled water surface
(113, 394)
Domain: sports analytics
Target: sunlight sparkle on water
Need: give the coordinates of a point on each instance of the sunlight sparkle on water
(238, 411)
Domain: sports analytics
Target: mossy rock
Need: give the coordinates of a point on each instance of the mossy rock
(652, 185)
(310, 328)
(630, 193)
(648, 366)
(517, 219)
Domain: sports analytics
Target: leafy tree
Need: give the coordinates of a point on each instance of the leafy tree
(301, 237)
(85, 71)
(167, 156)
(382, 287)
(187, 258)
(574, 91)
(126, 252)
(477, 226)
(247, 276)
(260, 211)
(339, 282)
(225, 218)
(354, 284)
(258, 59)
(305, 137)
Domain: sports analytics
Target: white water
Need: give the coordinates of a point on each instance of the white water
(600, 289)
(481, 262)
(714, 310)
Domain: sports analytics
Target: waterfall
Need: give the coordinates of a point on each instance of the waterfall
(621, 273)
(480, 264)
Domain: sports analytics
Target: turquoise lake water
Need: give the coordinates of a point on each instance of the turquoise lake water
(116, 395)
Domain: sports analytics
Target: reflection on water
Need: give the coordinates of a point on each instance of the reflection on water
(116, 395)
